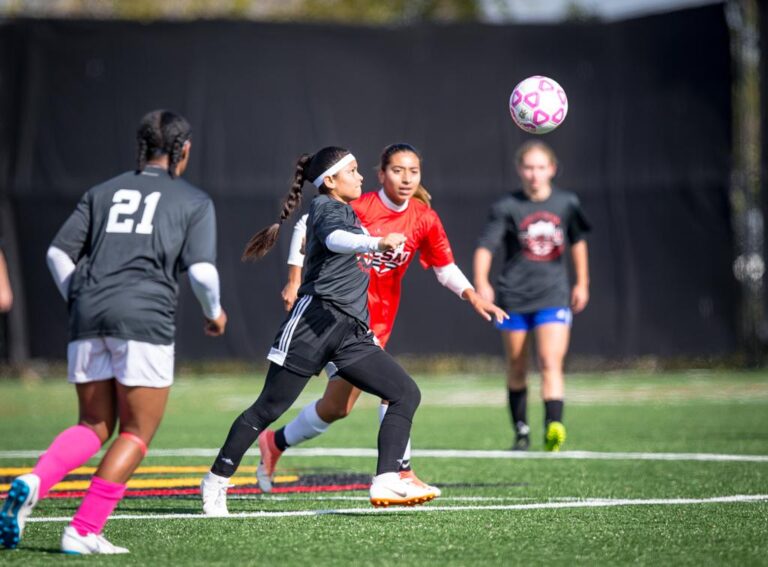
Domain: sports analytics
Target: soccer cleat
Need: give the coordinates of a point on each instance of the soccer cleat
(213, 489)
(410, 476)
(270, 454)
(522, 443)
(21, 499)
(522, 437)
(388, 489)
(73, 543)
(555, 436)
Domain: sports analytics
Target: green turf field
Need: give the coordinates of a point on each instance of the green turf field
(665, 469)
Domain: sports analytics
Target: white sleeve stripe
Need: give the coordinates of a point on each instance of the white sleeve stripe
(62, 267)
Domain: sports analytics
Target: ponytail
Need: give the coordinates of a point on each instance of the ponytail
(263, 241)
(421, 194)
(308, 168)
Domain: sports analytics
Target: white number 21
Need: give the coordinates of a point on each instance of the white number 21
(126, 203)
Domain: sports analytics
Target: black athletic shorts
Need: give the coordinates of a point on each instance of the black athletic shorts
(317, 333)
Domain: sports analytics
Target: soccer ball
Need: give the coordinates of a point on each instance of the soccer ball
(538, 104)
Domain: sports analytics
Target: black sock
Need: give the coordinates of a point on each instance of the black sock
(518, 407)
(240, 438)
(553, 411)
(280, 441)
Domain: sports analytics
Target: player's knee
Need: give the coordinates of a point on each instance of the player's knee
(335, 412)
(409, 398)
(260, 416)
(550, 363)
(102, 428)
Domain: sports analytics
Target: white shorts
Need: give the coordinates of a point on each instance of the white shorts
(132, 363)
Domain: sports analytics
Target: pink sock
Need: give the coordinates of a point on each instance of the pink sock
(99, 501)
(71, 449)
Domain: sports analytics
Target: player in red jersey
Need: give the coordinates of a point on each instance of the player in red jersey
(401, 205)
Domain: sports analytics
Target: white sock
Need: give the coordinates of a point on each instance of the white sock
(213, 477)
(405, 462)
(305, 426)
(382, 411)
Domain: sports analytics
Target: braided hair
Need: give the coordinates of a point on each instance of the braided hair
(421, 193)
(308, 168)
(162, 132)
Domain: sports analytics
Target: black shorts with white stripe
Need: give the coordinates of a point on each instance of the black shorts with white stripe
(317, 333)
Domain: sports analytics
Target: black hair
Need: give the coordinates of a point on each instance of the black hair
(421, 193)
(308, 168)
(162, 132)
(392, 149)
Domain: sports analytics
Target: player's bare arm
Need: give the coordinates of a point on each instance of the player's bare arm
(580, 291)
(481, 268)
(291, 290)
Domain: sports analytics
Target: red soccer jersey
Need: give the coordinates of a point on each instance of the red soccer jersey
(425, 234)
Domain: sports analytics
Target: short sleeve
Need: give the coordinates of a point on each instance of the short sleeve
(332, 216)
(578, 225)
(200, 243)
(495, 228)
(73, 234)
(435, 249)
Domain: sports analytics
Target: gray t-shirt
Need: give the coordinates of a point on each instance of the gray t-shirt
(534, 236)
(340, 279)
(130, 237)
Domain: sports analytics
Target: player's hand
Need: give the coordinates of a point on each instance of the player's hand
(289, 294)
(486, 309)
(215, 327)
(579, 298)
(485, 290)
(391, 241)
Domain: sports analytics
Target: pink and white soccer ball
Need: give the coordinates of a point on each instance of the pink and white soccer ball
(538, 104)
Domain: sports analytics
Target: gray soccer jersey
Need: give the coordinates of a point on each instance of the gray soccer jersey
(130, 237)
(534, 235)
(341, 279)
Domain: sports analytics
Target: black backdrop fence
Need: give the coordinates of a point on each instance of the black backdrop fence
(645, 145)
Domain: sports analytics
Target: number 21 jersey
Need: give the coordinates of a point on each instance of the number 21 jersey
(130, 237)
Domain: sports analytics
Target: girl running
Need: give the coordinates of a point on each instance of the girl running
(116, 261)
(328, 324)
(401, 205)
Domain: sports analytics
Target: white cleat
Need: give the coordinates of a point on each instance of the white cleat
(389, 489)
(21, 500)
(213, 489)
(410, 476)
(73, 543)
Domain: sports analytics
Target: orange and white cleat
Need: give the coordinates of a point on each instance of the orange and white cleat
(410, 476)
(270, 454)
(388, 489)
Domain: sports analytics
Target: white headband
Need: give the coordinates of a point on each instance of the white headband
(333, 170)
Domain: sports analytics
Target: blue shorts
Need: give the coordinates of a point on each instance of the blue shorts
(528, 321)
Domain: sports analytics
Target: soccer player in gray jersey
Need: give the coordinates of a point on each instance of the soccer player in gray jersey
(532, 227)
(116, 260)
(328, 324)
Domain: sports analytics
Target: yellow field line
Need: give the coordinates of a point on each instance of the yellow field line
(160, 482)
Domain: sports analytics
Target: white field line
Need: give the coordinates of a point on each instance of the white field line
(316, 498)
(590, 503)
(449, 454)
